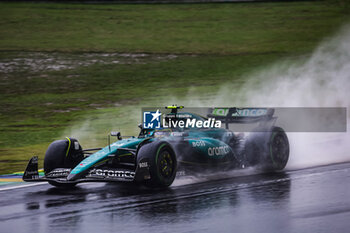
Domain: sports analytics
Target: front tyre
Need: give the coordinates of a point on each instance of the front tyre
(162, 163)
(62, 154)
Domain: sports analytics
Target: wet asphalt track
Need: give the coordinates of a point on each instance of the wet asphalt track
(309, 200)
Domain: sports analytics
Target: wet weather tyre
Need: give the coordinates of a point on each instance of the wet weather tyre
(162, 163)
(278, 150)
(269, 150)
(62, 154)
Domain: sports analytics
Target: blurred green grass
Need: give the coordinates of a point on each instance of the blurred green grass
(215, 44)
(160, 28)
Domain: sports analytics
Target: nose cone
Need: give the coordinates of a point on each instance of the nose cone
(72, 177)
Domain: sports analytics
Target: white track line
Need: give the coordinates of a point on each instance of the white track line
(21, 186)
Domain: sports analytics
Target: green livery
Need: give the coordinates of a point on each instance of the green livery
(156, 156)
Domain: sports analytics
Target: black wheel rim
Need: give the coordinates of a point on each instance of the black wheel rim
(166, 164)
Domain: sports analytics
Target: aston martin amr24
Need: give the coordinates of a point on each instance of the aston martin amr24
(157, 155)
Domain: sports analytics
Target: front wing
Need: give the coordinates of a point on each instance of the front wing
(98, 174)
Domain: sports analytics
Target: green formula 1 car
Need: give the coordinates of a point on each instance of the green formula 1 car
(157, 155)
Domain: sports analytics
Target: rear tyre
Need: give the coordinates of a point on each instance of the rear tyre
(162, 163)
(62, 154)
(278, 149)
(268, 150)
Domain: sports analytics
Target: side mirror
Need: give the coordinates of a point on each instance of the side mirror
(116, 134)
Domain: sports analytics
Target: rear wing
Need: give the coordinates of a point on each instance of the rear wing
(242, 115)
